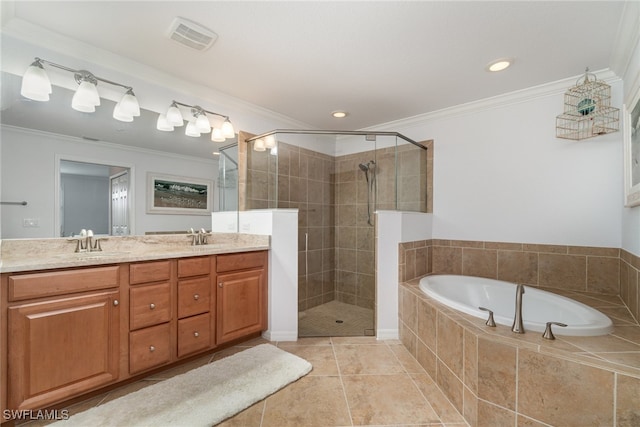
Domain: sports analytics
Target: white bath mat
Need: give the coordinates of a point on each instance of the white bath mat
(202, 397)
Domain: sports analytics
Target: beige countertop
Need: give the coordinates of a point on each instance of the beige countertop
(18, 255)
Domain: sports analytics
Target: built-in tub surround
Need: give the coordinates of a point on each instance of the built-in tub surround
(495, 377)
(38, 254)
(467, 294)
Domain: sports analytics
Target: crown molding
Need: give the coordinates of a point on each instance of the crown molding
(627, 39)
(510, 98)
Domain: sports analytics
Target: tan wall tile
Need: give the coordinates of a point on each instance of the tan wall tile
(470, 407)
(562, 271)
(627, 401)
(492, 416)
(450, 344)
(427, 324)
(450, 385)
(480, 263)
(447, 260)
(518, 267)
(470, 378)
(602, 275)
(545, 382)
(427, 359)
(497, 373)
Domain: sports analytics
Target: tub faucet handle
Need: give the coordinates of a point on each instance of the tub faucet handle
(490, 322)
(548, 334)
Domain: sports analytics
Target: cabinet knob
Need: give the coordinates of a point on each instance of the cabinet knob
(152, 348)
(220, 284)
(152, 306)
(196, 297)
(196, 334)
(116, 302)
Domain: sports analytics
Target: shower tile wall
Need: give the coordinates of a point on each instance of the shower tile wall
(354, 235)
(331, 196)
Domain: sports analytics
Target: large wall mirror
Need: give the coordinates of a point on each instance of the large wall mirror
(58, 160)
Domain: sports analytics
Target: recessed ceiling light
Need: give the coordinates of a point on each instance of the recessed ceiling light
(339, 114)
(499, 64)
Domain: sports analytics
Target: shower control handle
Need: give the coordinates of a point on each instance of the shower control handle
(490, 322)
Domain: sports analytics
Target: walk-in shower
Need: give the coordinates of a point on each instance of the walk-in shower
(337, 181)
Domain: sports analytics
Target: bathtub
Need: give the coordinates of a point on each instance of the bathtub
(467, 293)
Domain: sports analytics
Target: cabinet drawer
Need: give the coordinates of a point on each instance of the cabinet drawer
(188, 267)
(194, 296)
(241, 261)
(149, 348)
(194, 334)
(38, 285)
(145, 272)
(149, 305)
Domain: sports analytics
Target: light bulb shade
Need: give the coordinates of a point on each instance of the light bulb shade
(216, 135)
(192, 129)
(274, 151)
(162, 124)
(129, 104)
(174, 116)
(202, 123)
(227, 129)
(258, 145)
(120, 115)
(269, 142)
(35, 83)
(86, 97)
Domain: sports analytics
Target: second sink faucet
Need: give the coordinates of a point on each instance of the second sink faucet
(518, 326)
(199, 237)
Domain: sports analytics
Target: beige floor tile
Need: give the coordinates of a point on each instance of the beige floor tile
(310, 401)
(250, 417)
(386, 399)
(367, 359)
(321, 358)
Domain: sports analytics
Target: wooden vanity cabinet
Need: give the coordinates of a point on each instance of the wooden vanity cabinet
(62, 341)
(196, 305)
(150, 313)
(241, 295)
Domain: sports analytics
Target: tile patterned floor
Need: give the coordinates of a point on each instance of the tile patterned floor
(336, 319)
(355, 381)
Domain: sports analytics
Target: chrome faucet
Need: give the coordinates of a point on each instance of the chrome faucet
(517, 326)
(198, 237)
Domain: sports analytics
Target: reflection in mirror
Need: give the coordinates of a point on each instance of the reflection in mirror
(228, 178)
(93, 197)
(35, 136)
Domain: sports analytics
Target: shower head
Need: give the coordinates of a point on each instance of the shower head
(363, 167)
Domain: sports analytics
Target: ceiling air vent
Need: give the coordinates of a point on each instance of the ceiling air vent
(191, 34)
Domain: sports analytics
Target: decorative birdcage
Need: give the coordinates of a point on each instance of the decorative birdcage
(587, 110)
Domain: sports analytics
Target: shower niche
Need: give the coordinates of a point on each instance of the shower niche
(337, 181)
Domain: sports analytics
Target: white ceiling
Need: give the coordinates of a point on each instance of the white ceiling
(381, 61)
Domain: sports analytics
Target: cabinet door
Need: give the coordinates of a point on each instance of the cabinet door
(240, 304)
(62, 348)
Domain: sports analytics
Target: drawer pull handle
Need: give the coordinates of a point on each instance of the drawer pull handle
(152, 348)
(220, 284)
(116, 302)
(196, 297)
(152, 306)
(196, 334)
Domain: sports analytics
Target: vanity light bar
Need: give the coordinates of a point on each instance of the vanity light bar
(36, 86)
(199, 125)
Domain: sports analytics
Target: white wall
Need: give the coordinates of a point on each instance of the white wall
(27, 162)
(500, 174)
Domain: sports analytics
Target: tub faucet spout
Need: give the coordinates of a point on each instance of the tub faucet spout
(517, 326)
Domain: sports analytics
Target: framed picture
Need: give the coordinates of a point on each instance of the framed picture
(632, 150)
(170, 194)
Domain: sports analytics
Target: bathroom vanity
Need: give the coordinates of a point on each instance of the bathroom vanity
(75, 323)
